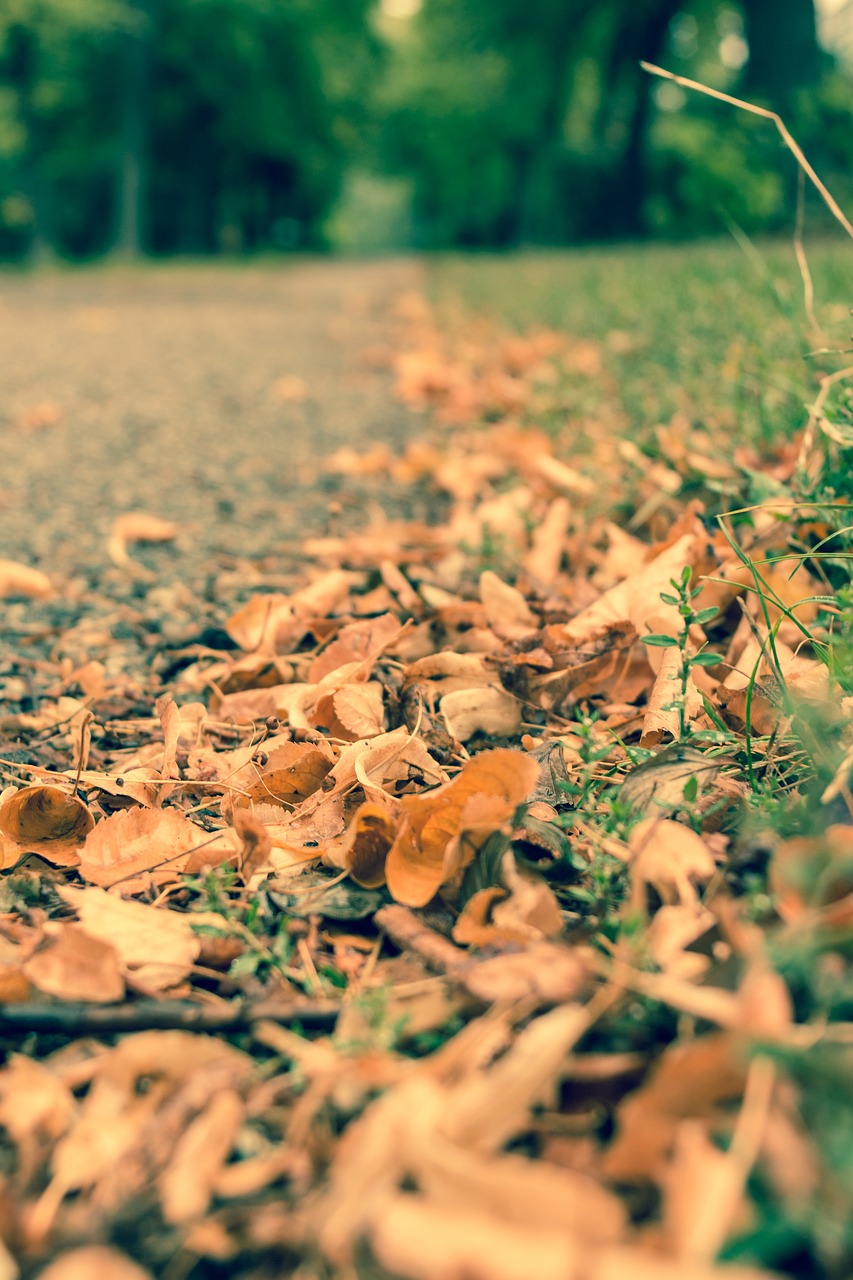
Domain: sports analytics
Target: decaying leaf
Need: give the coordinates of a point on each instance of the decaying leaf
(135, 848)
(156, 948)
(441, 831)
(45, 820)
(670, 857)
(74, 965)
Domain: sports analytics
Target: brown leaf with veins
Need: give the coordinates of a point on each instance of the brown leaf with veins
(140, 847)
(354, 643)
(292, 773)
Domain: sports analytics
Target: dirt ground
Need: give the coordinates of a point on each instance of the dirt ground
(201, 394)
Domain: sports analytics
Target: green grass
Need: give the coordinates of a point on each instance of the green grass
(712, 330)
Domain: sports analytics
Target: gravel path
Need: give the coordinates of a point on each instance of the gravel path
(177, 391)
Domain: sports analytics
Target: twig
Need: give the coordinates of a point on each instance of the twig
(797, 152)
(156, 1015)
(818, 419)
(410, 934)
(802, 260)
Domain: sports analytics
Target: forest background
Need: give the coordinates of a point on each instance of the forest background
(169, 127)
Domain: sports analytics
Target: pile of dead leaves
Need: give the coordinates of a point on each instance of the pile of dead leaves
(414, 896)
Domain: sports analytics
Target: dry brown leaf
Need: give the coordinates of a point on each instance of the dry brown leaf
(157, 948)
(637, 598)
(562, 477)
(516, 1189)
(34, 1102)
(548, 973)
(351, 712)
(22, 580)
(547, 543)
(669, 856)
(427, 1240)
(140, 847)
(355, 643)
(671, 930)
(45, 820)
(522, 908)
(187, 1183)
(633, 1262)
(74, 965)
(690, 1081)
(124, 1133)
(137, 526)
(264, 625)
(292, 773)
(486, 710)
(365, 848)
(507, 611)
(94, 1262)
(421, 858)
(256, 844)
(662, 720)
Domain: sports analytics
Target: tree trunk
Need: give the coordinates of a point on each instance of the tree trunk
(134, 64)
(22, 72)
(784, 54)
(644, 39)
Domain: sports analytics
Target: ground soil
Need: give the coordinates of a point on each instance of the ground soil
(166, 388)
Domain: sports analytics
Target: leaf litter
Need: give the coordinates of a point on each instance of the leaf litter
(401, 921)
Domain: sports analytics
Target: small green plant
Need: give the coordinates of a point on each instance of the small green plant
(682, 597)
(263, 932)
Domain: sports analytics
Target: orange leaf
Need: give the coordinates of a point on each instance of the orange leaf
(48, 821)
(421, 858)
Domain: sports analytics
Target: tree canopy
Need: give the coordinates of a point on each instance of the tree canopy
(198, 126)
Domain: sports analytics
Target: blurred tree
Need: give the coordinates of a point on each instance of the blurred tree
(133, 63)
(180, 125)
(228, 125)
(532, 122)
(44, 47)
(784, 55)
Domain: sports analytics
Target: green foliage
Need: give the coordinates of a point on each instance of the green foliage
(227, 123)
(234, 125)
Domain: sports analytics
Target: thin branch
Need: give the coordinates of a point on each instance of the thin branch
(797, 152)
(159, 1015)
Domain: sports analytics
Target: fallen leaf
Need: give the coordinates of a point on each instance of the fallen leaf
(94, 1260)
(187, 1183)
(421, 860)
(485, 710)
(136, 848)
(157, 948)
(669, 856)
(425, 1240)
(137, 526)
(22, 580)
(45, 820)
(74, 965)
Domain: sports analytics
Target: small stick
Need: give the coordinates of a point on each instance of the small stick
(157, 1015)
(410, 934)
(797, 152)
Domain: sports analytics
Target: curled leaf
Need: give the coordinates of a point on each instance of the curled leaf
(48, 821)
(443, 830)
